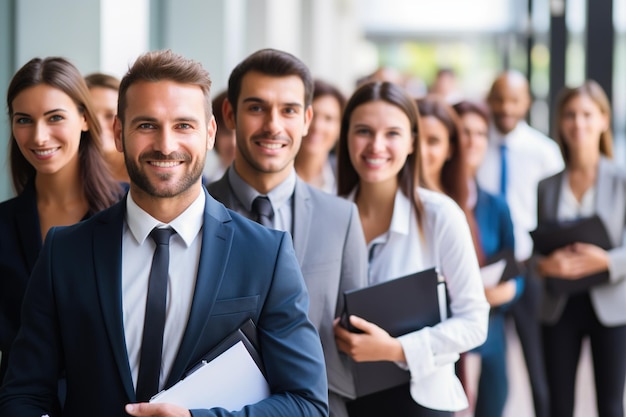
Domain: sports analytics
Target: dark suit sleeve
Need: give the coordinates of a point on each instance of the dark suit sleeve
(30, 387)
(290, 347)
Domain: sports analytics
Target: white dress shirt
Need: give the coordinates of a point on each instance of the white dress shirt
(137, 252)
(446, 243)
(532, 156)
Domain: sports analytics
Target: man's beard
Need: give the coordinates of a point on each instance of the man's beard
(140, 179)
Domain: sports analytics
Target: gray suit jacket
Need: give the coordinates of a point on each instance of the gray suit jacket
(330, 247)
(610, 205)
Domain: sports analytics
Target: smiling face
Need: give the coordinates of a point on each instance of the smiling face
(509, 101)
(324, 130)
(436, 148)
(379, 141)
(270, 122)
(47, 126)
(165, 137)
(474, 137)
(582, 124)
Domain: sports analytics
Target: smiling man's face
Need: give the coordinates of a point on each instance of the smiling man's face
(270, 122)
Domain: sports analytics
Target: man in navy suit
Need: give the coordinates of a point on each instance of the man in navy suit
(85, 306)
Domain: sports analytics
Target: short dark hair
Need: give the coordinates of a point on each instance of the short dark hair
(274, 63)
(165, 65)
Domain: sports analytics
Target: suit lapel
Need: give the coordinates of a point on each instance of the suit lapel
(221, 191)
(302, 217)
(607, 201)
(107, 250)
(553, 196)
(217, 237)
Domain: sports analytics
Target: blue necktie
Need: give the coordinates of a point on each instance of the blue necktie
(503, 170)
(154, 323)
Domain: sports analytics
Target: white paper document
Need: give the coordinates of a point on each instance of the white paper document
(231, 381)
(492, 273)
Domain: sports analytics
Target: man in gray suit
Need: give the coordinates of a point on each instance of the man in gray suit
(269, 107)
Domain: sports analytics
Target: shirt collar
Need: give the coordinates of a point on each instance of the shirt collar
(508, 138)
(400, 218)
(246, 194)
(187, 225)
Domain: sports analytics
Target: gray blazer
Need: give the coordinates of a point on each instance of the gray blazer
(330, 247)
(610, 205)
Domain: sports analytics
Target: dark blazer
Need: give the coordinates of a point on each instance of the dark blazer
(20, 243)
(610, 205)
(330, 247)
(72, 319)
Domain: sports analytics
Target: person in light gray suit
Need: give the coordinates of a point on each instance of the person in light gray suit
(269, 107)
(590, 184)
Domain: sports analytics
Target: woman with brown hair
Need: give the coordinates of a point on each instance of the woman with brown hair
(493, 234)
(591, 184)
(408, 229)
(57, 171)
(315, 163)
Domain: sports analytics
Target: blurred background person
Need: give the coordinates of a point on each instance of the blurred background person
(442, 155)
(315, 162)
(408, 229)
(517, 158)
(493, 233)
(103, 89)
(445, 86)
(224, 150)
(57, 171)
(590, 184)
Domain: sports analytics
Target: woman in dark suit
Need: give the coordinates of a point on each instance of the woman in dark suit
(590, 184)
(57, 172)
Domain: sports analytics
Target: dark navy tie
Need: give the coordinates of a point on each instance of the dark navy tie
(262, 208)
(154, 323)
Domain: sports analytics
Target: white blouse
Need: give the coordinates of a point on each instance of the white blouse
(446, 244)
(569, 207)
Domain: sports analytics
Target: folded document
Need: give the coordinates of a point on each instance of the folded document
(231, 377)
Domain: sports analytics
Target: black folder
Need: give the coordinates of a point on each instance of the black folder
(399, 306)
(553, 235)
(247, 334)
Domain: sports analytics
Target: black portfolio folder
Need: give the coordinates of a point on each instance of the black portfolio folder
(551, 236)
(247, 334)
(399, 306)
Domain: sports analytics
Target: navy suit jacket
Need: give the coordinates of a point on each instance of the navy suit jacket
(20, 243)
(72, 319)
